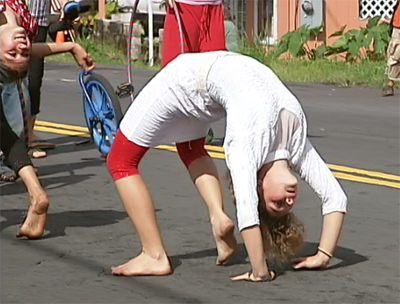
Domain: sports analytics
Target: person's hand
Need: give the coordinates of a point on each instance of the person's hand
(317, 261)
(171, 3)
(82, 58)
(250, 277)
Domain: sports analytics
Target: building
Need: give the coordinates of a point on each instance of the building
(268, 20)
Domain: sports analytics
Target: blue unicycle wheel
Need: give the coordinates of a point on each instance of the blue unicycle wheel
(102, 109)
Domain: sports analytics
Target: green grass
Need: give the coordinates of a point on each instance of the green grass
(102, 53)
(366, 73)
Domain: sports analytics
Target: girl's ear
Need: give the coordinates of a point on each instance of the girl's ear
(259, 184)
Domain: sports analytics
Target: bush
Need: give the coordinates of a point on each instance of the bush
(365, 43)
(295, 43)
(356, 44)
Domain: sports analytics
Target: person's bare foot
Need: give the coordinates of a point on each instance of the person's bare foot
(223, 229)
(144, 265)
(35, 221)
(36, 153)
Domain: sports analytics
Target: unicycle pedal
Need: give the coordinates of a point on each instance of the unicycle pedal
(124, 90)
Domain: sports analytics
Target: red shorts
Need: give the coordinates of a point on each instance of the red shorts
(124, 156)
(203, 30)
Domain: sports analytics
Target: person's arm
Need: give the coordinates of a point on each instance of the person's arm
(243, 171)
(231, 37)
(254, 245)
(41, 50)
(334, 206)
(82, 58)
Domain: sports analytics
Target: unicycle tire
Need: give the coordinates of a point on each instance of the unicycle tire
(103, 112)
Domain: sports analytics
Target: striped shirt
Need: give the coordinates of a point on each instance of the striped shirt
(39, 9)
(27, 21)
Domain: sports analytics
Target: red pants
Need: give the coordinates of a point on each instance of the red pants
(124, 156)
(203, 30)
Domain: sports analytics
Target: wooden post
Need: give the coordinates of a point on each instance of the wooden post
(102, 9)
(250, 19)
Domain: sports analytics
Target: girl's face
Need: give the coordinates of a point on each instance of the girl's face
(278, 189)
(15, 47)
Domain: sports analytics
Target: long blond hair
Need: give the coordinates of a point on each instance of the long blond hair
(282, 237)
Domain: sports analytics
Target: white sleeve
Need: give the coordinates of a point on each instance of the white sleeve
(243, 170)
(317, 174)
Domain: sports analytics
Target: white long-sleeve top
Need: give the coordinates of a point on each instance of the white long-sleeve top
(265, 122)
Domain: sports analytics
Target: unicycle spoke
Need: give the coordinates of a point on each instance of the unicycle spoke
(108, 132)
(98, 100)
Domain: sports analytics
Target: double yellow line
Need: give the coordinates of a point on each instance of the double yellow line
(341, 172)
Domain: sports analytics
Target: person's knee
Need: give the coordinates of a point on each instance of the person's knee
(191, 150)
(119, 168)
(124, 157)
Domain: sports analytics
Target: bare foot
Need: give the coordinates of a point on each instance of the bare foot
(35, 221)
(224, 238)
(36, 153)
(144, 264)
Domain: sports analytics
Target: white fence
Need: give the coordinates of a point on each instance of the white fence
(372, 8)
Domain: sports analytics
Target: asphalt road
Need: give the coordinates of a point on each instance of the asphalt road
(88, 230)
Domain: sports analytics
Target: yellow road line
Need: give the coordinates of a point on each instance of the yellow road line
(173, 149)
(217, 152)
(214, 148)
(61, 126)
(364, 172)
(340, 168)
(60, 131)
(166, 147)
(366, 180)
(340, 175)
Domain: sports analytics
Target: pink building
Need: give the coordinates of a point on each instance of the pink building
(268, 20)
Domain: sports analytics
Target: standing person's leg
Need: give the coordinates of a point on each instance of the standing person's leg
(122, 162)
(35, 222)
(212, 29)
(16, 155)
(36, 72)
(211, 37)
(393, 63)
(204, 175)
(190, 17)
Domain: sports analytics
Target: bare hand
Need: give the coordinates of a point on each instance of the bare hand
(82, 58)
(171, 3)
(250, 277)
(319, 260)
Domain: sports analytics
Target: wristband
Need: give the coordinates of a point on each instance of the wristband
(325, 252)
(271, 273)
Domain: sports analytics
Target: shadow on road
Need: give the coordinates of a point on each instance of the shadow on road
(55, 182)
(66, 144)
(100, 271)
(48, 183)
(57, 223)
(347, 257)
(70, 167)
